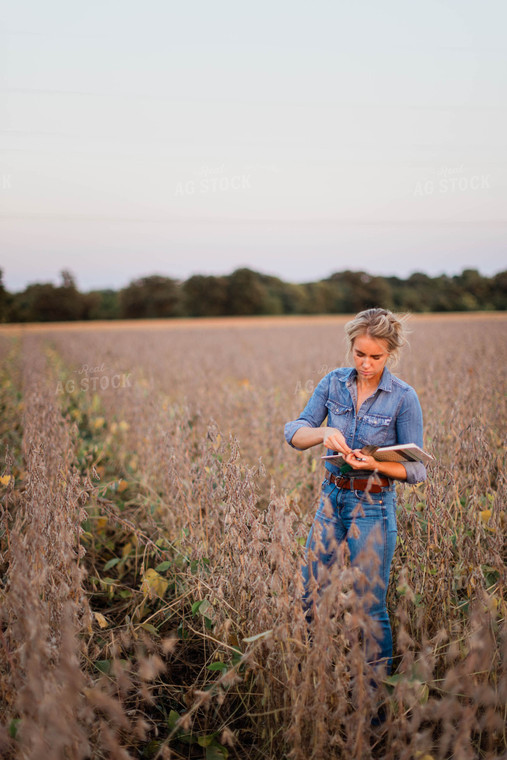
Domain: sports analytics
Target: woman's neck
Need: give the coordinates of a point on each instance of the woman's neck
(366, 387)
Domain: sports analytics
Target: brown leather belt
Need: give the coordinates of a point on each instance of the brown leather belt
(358, 484)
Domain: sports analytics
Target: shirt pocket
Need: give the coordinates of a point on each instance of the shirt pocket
(339, 416)
(374, 429)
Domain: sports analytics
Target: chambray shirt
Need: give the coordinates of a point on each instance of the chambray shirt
(391, 415)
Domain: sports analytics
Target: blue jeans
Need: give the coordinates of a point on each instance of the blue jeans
(343, 508)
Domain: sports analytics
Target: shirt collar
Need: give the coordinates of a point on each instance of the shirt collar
(386, 381)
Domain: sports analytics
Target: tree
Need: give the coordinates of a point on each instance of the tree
(419, 292)
(319, 297)
(205, 296)
(499, 291)
(150, 297)
(476, 289)
(294, 298)
(245, 293)
(103, 304)
(248, 292)
(397, 287)
(5, 301)
(68, 281)
(356, 291)
(43, 302)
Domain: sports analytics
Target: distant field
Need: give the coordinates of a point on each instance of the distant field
(152, 521)
(224, 322)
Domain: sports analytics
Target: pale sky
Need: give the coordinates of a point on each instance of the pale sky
(295, 138)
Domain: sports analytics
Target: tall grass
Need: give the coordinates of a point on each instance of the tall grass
(152, 541)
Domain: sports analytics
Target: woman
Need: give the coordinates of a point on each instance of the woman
(364, 404)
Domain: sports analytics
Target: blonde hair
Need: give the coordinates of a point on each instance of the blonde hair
(379, 324)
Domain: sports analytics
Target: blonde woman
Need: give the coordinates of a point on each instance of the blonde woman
(364, 404)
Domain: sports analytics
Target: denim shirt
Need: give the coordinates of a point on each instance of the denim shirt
(391, 415)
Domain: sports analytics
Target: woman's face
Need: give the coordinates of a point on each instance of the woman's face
(370, 356)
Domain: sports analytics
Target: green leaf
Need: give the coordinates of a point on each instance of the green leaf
(163, 566)
(151, 749)
(112, 563)
(491, 575)
(206, 607)
(187, 738)
(217, 666)
(13, 727)
(201, 564)
(392, 680)
(150, 628)
(103, 665)
(172, 720)
(216, 752)
(202, 607)
(205, 741)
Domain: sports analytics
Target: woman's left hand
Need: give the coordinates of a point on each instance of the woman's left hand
(359, 461)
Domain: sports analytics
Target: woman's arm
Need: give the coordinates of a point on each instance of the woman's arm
(359, 461)
(409, 429)
(306, 431)
(306, 437)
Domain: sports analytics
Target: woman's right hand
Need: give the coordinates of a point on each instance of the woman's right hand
(335, 440)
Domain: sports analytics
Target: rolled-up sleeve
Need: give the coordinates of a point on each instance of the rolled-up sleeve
(409, 429)
(313, 414)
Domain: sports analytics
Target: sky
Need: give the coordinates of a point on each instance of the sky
(294, 138)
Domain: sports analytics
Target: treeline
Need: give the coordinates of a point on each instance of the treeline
(246, 292)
